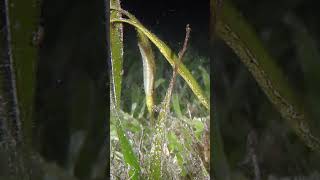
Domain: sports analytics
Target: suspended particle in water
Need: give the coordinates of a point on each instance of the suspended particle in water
(38, 37)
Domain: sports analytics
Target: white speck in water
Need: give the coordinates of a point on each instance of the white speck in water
(17, 25)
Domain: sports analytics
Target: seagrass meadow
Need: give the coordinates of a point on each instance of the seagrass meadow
(68, 68)
(160, 91)
(168, 89)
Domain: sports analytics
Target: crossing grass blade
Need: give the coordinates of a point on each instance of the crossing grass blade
(237, 33)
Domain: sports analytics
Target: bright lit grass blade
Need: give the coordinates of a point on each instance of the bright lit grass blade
(129, 156)
(116, 43)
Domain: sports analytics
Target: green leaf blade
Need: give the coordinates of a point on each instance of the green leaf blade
(116, 44)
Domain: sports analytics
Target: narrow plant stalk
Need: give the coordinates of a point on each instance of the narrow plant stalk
(170, 56)
(157, 146)
(240, 36)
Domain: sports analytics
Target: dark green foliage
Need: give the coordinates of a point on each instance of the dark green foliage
(242, 104)
(69, 81)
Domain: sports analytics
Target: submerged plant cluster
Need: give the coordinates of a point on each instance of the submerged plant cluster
(156, 143)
